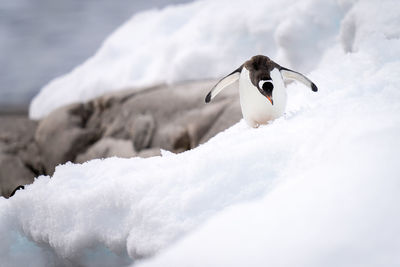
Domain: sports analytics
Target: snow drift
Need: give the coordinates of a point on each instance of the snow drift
(204, 39)
(317, 187)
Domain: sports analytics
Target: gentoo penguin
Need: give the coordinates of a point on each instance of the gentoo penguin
(261, 88)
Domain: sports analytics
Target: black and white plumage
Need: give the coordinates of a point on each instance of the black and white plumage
(261, 88)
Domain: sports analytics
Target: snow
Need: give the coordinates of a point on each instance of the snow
(317, 187)
(199, 40)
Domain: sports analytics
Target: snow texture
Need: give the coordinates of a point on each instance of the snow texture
(317, 187)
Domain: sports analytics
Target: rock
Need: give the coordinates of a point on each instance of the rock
(16, 132)
(175, 138)
(62, 135)
(141, 131)
(16, 139)
(112, 117)
(13, 173)
(151, 152)
(187, 130)
(32, 158)
(199, 121)
(173, 118)
(125, 123)
(107, 147)
(229, 116)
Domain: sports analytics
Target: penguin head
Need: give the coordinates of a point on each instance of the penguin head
(260, 68)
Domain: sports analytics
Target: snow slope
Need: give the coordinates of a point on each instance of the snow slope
(317, 187)
(203, 39)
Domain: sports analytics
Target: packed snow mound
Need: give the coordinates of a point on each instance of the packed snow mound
(317, 187)
(326, 212)
(204, 39)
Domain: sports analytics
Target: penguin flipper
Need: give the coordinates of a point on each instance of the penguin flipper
(294, 75)
(223, 83)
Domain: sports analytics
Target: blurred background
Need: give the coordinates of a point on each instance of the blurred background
(43, 39)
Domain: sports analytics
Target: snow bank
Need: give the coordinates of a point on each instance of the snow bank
(318, 187)
(204, 39)
(335, 199)
(135, 207)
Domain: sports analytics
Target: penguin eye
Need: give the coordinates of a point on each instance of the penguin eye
(266, 85)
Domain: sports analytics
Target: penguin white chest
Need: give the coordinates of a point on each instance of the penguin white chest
(256, 108)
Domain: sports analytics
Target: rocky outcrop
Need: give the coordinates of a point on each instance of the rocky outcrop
(107, 147)
(63, 134)
(13, 173)
(20, 161)
(127, 123)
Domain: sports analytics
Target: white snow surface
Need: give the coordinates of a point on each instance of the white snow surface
(203, 39)
(317, 187)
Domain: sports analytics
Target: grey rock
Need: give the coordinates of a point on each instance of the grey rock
(170, 117)
(141, 131)
(16, 132)
(175, 138)
(229, 116)
(199, 121)
(151, 152)
(127, 123)
(17, 139)
(62, 135)
(186, 131)
(107, 147)
(32, 158)
(13, 173)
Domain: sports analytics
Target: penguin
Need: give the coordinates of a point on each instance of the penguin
(261, 89)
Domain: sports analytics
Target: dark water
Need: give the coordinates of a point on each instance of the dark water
(42, 39)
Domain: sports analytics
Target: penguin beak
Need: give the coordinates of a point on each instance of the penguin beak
(270, 100)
